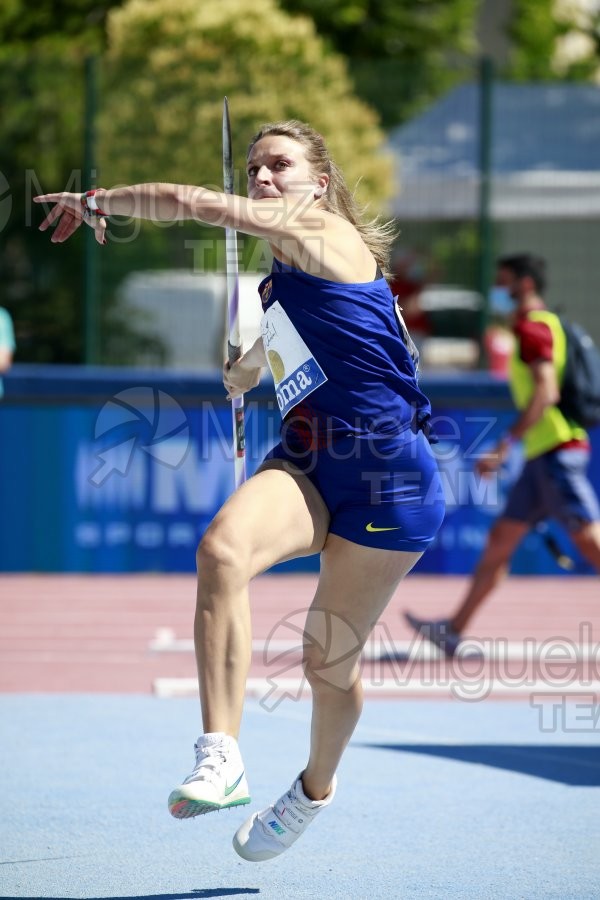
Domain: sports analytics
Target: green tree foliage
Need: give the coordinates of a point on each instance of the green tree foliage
(169, 66)
(54, 21)
(161, 88)
(42, 50)
(402, 53)
(41, 284)
(40, 132)
(542, 33)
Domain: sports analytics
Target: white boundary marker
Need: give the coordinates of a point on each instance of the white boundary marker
(294, 688)
(552, 651)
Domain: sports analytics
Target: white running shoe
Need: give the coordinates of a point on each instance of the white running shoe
(438, 631)
(217, 782)
(268, 833)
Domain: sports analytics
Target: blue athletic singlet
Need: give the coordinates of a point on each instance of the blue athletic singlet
(354, 419)
(338, 356)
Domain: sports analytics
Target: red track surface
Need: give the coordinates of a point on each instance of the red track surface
(63, 633)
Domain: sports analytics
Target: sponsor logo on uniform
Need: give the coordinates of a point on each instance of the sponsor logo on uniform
(372, 527)
(297, 386)
(266, 292)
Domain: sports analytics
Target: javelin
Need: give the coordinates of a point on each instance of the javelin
(234, 341)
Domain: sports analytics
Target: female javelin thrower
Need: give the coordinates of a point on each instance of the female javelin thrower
(353, 477)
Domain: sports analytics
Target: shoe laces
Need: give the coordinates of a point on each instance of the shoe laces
(290, 811)
(208, 762)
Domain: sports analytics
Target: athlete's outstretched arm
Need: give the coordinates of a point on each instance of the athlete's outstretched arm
(160, 202)
(298, 229)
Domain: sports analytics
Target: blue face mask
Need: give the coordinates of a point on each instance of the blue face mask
(501, 303)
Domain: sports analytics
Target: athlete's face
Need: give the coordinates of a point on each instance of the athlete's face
(277, 167)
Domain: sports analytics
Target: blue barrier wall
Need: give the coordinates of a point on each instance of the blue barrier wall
(121, 470)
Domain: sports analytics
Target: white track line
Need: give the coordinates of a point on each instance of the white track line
(273, 691)
(552, 651)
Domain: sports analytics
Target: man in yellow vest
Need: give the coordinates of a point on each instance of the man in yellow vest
(553, 482)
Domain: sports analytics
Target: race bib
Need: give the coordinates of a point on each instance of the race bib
(295, 371)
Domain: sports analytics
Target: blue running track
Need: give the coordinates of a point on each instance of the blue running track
(436, 799)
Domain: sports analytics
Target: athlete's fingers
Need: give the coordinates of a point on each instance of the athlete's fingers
(67, 225)
(60, 232)
(61, 227)
(54, 214)
(47, 198)
(232, 390)
(64, 200)
(100, 230)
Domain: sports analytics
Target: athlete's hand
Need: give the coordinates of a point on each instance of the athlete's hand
(239, 377)
(69, 214)
(493, 459)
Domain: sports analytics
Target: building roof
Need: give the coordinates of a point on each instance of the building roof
(545, 154)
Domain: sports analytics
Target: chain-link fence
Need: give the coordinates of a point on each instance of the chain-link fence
(498, 168)
(487, 169)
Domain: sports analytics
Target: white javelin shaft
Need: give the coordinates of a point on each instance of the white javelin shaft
(234, 342)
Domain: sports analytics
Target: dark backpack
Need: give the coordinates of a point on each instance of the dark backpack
(580, 388)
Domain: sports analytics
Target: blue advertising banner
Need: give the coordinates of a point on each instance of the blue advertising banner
(473, 502)
(122, 470)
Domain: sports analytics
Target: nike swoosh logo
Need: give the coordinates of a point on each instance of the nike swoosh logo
(230, 790)
(371, 527)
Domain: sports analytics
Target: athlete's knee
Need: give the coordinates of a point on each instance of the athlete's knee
(222, 553)
(325, 674)
(325, 681)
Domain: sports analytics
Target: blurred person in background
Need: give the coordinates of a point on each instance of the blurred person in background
(553, 482)
(7, 344)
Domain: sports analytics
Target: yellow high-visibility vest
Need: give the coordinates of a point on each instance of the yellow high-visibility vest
(553, 428)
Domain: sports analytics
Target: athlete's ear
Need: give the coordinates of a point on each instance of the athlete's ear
(321, 186)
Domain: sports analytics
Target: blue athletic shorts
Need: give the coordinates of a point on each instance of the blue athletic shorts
(554, 485)
(382, 492)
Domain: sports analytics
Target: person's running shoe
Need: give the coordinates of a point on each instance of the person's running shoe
(268, 833)
(438, 631)
(217, 782)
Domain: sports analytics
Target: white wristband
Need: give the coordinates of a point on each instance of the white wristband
(90, 204)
